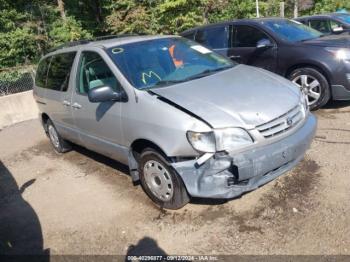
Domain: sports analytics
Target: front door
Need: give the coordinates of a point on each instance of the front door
(99, 124)
(244, 48)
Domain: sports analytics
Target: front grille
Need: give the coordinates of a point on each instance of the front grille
(282, 123)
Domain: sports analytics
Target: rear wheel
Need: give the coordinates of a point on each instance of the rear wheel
(161, 182)
(59, 144)
(314, 84)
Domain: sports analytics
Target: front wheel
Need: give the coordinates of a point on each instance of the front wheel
(161, 182)
(314, 84)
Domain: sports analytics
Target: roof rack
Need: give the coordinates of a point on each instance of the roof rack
(87, 41)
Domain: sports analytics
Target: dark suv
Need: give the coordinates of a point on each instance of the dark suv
(335, 23)
(318, 64)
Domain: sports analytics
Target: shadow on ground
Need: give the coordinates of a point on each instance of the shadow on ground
(145, 247)
(20, 229)
(336, 104)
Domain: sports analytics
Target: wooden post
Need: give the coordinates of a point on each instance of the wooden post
(281, 9)
(296, 8)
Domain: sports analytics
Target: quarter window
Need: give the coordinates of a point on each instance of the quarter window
(59, 71)
(94, 72)
(247, 36)
(41, 72)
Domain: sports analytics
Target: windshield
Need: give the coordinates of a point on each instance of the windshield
(344, 17)
(162, 62)
(291, 30)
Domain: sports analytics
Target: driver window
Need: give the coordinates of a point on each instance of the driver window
(94, 72)
(321, 25)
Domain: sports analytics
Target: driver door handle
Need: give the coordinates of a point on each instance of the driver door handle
(66, 103)
(235, 56)
(76, 106)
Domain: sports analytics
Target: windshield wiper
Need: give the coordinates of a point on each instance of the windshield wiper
(204, 73)
(207, 72)
(168, 82)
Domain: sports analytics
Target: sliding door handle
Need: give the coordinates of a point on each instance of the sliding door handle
(76, 106)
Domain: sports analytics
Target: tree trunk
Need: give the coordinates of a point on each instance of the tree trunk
(296, 8)
(98, 14)
(282, 6)
(60, 4)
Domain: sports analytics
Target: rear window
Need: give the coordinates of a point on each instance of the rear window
(59, 71)
(41, 72)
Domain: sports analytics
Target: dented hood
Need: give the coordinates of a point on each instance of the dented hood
(243, 96)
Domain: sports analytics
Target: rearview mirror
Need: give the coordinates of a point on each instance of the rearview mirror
(105, 94)
(264, 43)
(338, 29)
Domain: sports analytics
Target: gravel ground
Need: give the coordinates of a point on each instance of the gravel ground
(84, 203)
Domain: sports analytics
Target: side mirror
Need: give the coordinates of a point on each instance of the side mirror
(105, 94)
(264, 43)
(338, 29)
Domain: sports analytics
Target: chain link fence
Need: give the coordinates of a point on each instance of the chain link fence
(16, 79)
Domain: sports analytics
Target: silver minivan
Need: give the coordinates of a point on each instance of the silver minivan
(187, 121)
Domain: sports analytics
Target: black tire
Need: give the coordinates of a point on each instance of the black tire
(61, 145)
(324, 88)
(179, 197)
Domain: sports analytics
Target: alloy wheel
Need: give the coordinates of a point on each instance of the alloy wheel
(310, 86)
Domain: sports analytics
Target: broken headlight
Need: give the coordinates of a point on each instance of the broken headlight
(220, 140)
(229, 139)
(202, 141)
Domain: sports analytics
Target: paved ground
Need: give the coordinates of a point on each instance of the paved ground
(83, 203)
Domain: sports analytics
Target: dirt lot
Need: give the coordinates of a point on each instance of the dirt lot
(84, 203)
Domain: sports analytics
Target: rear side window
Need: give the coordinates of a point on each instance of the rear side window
(59, 71)
(41, 72)
(214, 37)
(247, 36)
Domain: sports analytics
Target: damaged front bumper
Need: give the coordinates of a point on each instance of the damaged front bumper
(230, 175)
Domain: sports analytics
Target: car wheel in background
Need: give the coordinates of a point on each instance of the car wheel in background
(161, 182)
(314, 84)
(60, 145)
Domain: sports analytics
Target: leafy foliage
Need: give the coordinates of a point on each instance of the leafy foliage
(29, 28)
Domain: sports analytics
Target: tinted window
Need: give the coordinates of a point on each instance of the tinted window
(166, 61)
(94, 72)
(59, 71)
(247, 36)
(214, 37)
(291, 30)
(190, 35)
(321, 25)
(344, 17)
(41, 72)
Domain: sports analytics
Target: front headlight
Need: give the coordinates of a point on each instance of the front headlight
(203, 142)
(232, 139)
(220, 140)
(340, 53)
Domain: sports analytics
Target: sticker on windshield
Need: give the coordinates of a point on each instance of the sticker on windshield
(201, 49)
(117, 50)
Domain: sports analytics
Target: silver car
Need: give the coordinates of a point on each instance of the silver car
(187, 121)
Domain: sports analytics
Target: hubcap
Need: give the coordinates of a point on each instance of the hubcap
(158, 180)
(310, 86)
(53, 136)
